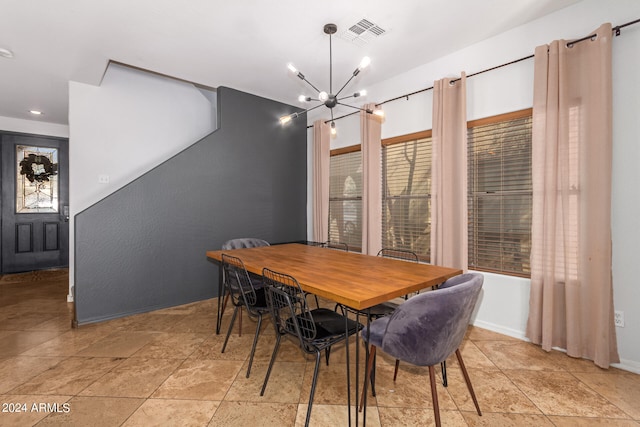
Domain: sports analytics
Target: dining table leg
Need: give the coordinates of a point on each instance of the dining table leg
(357, 386)
(346, 331)
(357, 361)
(220, 298)
(364, 389)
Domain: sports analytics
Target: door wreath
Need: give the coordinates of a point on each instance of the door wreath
(39, 168)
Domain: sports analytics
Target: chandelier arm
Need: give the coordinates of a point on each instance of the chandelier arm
(343, 116)
(356, 108)
(310, 109)
(345, 85)
(346, 97)
(296, 115)
(310, 84)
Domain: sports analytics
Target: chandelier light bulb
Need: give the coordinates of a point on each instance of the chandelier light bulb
(302, 98)
(285, 119)
(291, 68)
(378, 112)
(362, 92)
(323, 96)
(363, 64)
(333, 129)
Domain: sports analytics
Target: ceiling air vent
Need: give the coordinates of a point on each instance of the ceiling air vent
(362, 32)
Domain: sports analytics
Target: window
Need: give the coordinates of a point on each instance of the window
(345, 197)
(500, 193)
(36, 179)
(406, 193)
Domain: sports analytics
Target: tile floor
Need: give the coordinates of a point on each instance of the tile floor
(165, 368)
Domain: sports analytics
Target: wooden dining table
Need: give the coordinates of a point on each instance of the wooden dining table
(354, 280)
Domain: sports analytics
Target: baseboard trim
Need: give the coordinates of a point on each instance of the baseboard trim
(501, 330)
(625, 365)
(628, 365)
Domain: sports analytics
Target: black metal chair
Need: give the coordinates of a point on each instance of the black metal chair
(243, 294)
(331, 245)
(336, 245)
(403, 254)
(315, 330)
(223, 299)
(386, 308)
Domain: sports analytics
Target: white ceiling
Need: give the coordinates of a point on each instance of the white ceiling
(240, 44)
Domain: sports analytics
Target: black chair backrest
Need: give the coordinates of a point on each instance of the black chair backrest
(288, 307)
(237, 282)
(337, 245)
(403, 254)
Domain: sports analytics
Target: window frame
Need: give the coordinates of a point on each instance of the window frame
(401, 139)
(500, 118)
(334, 153)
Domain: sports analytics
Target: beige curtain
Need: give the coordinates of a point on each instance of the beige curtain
(449, 238)
(321, 153)
(370, 131)
(571, 301)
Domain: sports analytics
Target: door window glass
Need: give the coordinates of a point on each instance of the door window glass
(36, 179)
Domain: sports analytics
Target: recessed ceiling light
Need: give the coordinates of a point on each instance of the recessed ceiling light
(36, 112)
(5, 53)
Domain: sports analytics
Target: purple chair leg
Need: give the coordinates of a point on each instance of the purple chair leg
(468, 381)
(434, 395)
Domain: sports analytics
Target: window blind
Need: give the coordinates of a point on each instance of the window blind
(345, 199)
(500, 194)
(406, 194)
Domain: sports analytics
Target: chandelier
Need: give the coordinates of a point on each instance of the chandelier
(330, 99)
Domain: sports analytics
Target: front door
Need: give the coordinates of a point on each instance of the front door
(35, 202)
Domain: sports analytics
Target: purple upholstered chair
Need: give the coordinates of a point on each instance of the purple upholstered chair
(244, 242)
(427, 329)
(456, 280)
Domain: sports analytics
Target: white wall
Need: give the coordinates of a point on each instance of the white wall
(126, 126)
(505, 301)
(35, 127)
(625, 196)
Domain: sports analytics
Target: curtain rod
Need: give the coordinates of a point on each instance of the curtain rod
(615, 30)
(407, 95)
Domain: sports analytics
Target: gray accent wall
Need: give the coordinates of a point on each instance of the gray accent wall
(143, 247)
